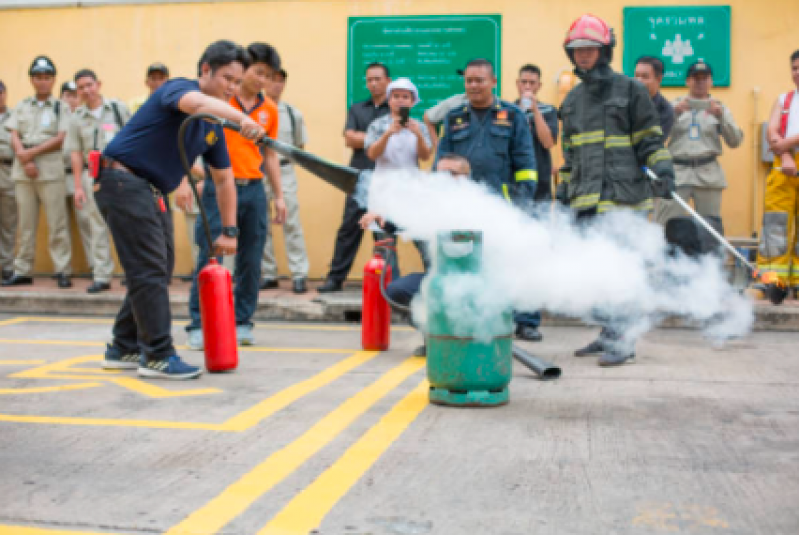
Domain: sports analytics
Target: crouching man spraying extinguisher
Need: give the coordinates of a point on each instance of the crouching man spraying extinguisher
(138, 169)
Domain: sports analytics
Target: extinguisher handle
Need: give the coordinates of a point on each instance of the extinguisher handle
(387, 243)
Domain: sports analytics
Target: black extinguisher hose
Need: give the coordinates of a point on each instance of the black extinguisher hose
(389, 248)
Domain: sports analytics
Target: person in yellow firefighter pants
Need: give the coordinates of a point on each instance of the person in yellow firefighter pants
(779, 250)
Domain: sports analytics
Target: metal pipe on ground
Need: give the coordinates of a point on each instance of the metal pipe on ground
(546, 371)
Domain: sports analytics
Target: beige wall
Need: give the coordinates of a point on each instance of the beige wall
(119, 42)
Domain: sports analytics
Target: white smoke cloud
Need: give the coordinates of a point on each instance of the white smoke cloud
(618, 268)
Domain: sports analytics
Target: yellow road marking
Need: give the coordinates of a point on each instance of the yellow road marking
(240, 495)
(12, 321)
(42, 389)
(19, 530)
(238, 423)
(270, 326)
(307, 509)
(251, 349)
(21, 362)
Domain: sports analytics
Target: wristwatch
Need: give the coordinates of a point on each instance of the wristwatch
(230, 232)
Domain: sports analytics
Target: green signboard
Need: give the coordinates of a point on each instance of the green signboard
(427, 49)
(679, 35)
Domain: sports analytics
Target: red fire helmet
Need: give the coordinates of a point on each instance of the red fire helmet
(588, 30)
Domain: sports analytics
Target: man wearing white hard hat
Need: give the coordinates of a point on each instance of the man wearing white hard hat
(396, 141)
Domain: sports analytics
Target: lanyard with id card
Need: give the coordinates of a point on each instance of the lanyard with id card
(693, 130)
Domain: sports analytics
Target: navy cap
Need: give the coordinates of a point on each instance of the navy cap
(68, 86)
(699, 67)
(157, 67)
(42, 65)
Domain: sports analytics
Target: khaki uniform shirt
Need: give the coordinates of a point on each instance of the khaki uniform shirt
(86, 132)
(697, 135)
(291, 132)
(6, 154)
(36, 124)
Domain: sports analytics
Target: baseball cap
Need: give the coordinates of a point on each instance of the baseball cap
(406, 84)
(68, 86)
(699, 67)
(157, 67)
(42, 65)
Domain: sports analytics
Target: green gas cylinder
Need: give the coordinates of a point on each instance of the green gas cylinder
(469, 337)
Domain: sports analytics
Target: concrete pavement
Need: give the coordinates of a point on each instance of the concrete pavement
(311, 435)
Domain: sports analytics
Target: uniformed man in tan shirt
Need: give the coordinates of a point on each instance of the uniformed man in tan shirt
(93, 125)
(701, 123)
(8, 203)
(38, 127)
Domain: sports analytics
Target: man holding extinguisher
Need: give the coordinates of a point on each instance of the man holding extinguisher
(139, 168)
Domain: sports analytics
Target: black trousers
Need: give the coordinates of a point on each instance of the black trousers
(348, 241)
(144, 238)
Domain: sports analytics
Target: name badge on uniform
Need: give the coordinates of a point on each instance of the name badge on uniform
(109, 130)
(693, 131)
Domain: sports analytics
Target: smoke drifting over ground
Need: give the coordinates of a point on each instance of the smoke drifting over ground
(619, 268)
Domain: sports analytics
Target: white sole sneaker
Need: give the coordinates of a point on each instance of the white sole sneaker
(155, 374)
(119, 365)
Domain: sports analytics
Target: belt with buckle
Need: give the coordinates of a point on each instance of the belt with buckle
(696, 162)
(7, 161)
(68, 170)
(284, 162)
(247, 181)
(108, 163)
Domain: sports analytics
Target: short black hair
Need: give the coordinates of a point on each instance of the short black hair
(480, 62)
(221, 53)
(795, 56)
(264, 53)
(655, 63)
(83, 73)
(378, 65)
(532, 69)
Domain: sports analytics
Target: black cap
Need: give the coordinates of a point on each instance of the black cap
(42, 65)
(68, 86)
(699, 67)
(157, 67)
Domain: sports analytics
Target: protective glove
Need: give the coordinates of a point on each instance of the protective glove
(663, 187)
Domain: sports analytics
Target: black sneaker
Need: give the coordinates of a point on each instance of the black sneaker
(594, 348)
(330, 286)
(172, 368)
(529, 333)
(269, 284)
(115, 360)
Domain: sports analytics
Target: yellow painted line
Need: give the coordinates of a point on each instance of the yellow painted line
(306, 511)
(59, 366)
(154, 391)
(240, 495)
(107, 422)
(252, 349)
(12, 321)
(272, 326)
(21, 362)
(42, 389)
(19, 530)
(238, 423)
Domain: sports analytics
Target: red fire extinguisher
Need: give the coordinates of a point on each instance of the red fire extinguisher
(218, 318)
(376, 314)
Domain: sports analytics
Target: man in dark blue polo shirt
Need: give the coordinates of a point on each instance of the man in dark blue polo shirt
(141, 166)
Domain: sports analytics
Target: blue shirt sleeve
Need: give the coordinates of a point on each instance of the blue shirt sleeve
(216, 155)
(174, 91)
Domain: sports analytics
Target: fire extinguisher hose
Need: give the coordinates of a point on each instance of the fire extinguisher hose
(387, 245)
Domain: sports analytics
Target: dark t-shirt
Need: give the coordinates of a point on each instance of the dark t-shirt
(148, 144)
(359, 117)
(543, 158)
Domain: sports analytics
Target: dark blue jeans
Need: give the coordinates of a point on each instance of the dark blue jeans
(252, 221)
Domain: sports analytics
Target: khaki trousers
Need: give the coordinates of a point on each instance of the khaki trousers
(84, 229)
(292, 231)
(30, 195)
(94, 234)
(8, 228)
(707, 202)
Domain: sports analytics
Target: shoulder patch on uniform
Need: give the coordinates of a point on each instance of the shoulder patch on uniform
(211, 138)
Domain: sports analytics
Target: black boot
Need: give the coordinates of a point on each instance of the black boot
(330, 286)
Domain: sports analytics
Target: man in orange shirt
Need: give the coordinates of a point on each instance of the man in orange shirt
(247, 160)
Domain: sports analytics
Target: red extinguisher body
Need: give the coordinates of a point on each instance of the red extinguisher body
(376, 313)
(218, 318)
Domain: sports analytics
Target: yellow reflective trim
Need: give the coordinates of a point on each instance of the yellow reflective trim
(564, 176)
(584, 135)
(659, 155)
(617, 141)
(608, 206)
(505, 191)
(585, 200)
(651, 131)
(526, 174)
